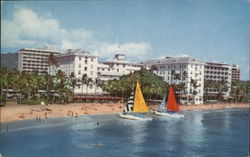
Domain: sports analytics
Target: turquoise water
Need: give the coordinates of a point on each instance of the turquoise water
(222, 133)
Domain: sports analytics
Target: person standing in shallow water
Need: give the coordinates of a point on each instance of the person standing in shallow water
(45, 115)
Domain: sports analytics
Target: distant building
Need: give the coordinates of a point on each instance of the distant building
(218, 72)
(181, 70)
(30, 59)
(79, 62)
(116, 67)
(9, 60)
(235, 73)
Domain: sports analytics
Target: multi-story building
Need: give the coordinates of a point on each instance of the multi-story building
(181, 70)
(30, 59)
(116, 67)
(218, 72)
(235, 73)
(78, 62)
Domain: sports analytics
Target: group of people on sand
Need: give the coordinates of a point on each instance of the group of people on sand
(38, 118)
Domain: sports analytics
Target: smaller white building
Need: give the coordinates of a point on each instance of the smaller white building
(116, 67)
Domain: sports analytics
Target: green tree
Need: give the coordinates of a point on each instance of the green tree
(83, 81)
(73, 81)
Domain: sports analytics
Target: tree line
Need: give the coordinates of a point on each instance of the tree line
(60, 88)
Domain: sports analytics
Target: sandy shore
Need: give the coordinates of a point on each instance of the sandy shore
(11, 113)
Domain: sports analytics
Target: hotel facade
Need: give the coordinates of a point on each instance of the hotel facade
(79, 62)
(115, 68)
(218, 72)
(181, 70)
(30, 59)
(187, 71)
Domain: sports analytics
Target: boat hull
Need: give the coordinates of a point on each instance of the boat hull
(135, 117)
(174, 115)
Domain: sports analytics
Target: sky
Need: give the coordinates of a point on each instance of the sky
(209, 30)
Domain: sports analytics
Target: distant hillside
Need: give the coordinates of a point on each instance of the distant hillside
(9, 60)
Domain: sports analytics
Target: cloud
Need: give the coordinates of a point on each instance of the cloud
(28, 29)
(130, 48)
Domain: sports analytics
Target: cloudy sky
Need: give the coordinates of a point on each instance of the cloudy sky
(210, 30)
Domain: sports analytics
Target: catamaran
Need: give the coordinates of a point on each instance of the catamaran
(171, 108)
(135, 105)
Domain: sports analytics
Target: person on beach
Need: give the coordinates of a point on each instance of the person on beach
(45, 115)
(76, 115)
(36, 118)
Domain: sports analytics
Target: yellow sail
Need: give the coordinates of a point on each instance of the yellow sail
(139, 102)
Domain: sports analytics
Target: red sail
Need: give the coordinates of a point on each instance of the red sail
(172, 105)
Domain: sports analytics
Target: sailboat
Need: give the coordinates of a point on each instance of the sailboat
(135, 105)
(171, 108)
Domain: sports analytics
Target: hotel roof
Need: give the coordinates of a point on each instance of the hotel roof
(173, 60)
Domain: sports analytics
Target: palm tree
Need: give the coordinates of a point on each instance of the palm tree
(89, 83)
(49, 85)
(52, 60)
(73, 81)
(5, 80)
(61, 85)
(83, 81)
(208, 84)
(97, 83)
(221, 87)
(194, 85)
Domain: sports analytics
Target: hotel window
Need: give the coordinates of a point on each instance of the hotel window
(80, 58)
(79, 65)
(79, 72)
(92, 59)
(91, 72)
(85, 69)
(91, 66)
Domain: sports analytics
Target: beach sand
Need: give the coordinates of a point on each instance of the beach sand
(11, 113)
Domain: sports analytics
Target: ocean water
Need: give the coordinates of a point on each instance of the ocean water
(221, 133)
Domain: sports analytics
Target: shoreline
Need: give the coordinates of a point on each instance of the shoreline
(15, 113)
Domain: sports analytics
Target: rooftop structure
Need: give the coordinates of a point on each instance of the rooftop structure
(116, 67)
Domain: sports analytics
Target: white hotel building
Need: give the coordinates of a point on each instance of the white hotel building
(189, 69)
(218, 72)
(116, 67)
(30, 59)
(78, 62)
(81, 62)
